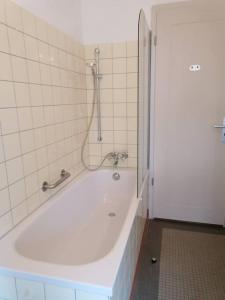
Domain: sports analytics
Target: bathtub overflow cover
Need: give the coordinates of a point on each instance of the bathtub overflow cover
(112, 214)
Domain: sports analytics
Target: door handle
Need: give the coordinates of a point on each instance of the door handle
(219, 126)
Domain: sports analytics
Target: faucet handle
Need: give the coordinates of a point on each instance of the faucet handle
(123, 155)
(112, 155)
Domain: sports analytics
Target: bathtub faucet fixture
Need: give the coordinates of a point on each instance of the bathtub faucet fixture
(116, 157)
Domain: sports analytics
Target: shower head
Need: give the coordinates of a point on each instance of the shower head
(92, 65)
(97, 51)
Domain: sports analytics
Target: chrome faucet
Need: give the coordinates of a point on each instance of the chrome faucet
(117, 156)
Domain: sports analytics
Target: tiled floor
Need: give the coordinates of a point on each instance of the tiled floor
(157, 243)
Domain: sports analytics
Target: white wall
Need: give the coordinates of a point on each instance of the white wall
(113, 20)
(93, 21)
(63, 14)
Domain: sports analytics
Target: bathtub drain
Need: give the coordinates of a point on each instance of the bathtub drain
(112, 214)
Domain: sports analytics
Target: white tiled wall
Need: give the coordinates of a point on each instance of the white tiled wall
(43, 110)
(17, 289)
(118, 66)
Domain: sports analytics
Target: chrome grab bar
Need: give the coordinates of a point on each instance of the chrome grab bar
(63, 176)
(219, 126)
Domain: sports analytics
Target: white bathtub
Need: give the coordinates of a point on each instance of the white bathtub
(78, 238)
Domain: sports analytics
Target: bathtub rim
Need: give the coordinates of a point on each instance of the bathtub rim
(102, 284)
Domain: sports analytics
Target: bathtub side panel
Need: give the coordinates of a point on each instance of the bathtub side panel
(16, 289)
(124, 281)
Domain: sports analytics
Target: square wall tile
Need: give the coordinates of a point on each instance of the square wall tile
(19, 69)
(119, 95)
(119, 65)
(44, 54)
(2, 11)
(80, 295)
(132, 137)
(29, 163)
(132, 65)
(7, 94)
(31, 46)
(52, 35)
(41, 27)
(119, 81)
(17, 193)
(4, 45)
(132, 80)
(5, 225)
(2, 154)
(25, 118)
(107, 81)
(38, 116)
(11, 145)
(22, 94)
(7, 288)
(19, 213)
(14, 169)
(132, 109)
(13, 15)
(107, 109)
(29, 290)
(105, 94)
(32, 186)
(5, 70)
(106, 66)
(132, 95)
(33, 202)
(120, 137)
(132, 124)
(132, 48)
(47, 95)
(120, 109)
(120, 124)
(58, 293)
(29, 23)
(119, 50)
(106, 50)
(36, 95)
(4, 201)
(27, 141)
(45, 74)
(9, 121)
(16, 42)
(40, 137)
(34, 72)
(3, 176)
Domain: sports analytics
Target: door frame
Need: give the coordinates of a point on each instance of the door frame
(154, 12)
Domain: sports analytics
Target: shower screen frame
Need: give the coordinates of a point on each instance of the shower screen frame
(143, 101)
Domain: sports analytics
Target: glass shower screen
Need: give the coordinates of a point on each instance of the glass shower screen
(143, 105)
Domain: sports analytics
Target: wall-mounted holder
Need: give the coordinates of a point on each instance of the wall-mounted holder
(63, 176)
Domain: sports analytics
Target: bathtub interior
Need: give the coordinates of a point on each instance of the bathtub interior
(84, 222)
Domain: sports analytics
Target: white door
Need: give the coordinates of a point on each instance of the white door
(189, 157)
